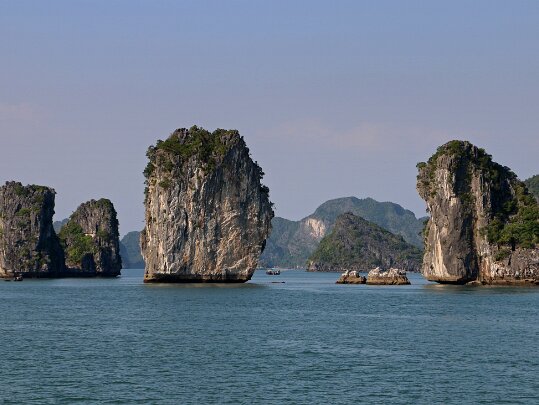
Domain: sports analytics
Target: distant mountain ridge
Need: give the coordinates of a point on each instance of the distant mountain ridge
(357, 244)
(130, 251)
(292, 242)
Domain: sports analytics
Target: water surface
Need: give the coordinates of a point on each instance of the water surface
(307, 341)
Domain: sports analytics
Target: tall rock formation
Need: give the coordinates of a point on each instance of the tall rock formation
(91, 240)
(207, 214)
(28, 244)
(356, 244)
(484, 225)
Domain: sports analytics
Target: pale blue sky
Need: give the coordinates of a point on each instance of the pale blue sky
(334, 98)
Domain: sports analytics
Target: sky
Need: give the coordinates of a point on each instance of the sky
(334, 98)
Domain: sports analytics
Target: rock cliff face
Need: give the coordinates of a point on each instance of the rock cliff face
(356, 244)
(207, 214)
(28, 244)
(91, 240)
(484, 225)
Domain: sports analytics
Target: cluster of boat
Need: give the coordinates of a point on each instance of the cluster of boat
(15, 277)
(273, 272)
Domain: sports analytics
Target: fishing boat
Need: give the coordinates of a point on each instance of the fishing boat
(273, 272)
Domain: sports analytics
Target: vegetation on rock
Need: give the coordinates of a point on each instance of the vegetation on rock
(208, 148)
(76, 243)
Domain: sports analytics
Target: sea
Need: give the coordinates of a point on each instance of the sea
(296, 338)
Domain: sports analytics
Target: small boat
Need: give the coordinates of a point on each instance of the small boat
(273, 272)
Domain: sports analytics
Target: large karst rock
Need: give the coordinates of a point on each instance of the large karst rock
(28, 244)
(378, 276)
(356, 244)
(207, 214)
(91, 240)
(484, 225)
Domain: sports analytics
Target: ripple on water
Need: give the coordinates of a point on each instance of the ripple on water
(305, 341)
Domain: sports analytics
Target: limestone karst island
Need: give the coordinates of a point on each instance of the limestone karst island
(207, 213)
(484, 223)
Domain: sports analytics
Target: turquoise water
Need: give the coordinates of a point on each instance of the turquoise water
(305, 341)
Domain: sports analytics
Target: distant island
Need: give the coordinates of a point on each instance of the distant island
(355, 244)
(130, 251)
(291, 243)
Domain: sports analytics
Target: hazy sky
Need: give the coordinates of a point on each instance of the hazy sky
(334, 98)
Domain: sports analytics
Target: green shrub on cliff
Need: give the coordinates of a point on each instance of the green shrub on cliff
(75, 242)
(208, 147)
(517, 224)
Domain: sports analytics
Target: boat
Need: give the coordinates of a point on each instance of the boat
(273, 272)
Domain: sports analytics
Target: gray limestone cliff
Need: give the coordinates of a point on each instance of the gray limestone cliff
(207, 213)
(91, 240)
(28, 244)
(483, 226)
(356, 244)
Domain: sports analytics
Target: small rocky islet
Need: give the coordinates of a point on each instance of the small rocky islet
(376, 276)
